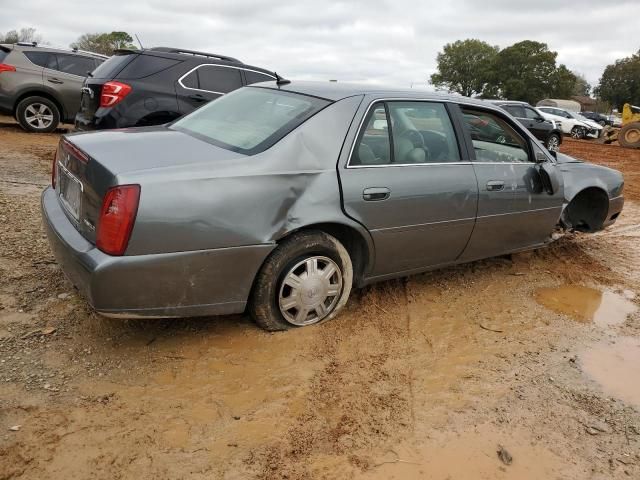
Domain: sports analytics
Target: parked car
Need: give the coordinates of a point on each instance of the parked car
(600, 119)
(40, 86)
(279, 197)
(154, 86)
(571, 123)
(544, 130)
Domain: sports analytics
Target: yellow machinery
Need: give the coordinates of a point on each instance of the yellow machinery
(629, 134)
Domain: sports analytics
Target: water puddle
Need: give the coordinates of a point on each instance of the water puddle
(616, 367)
(586, 304)
(472, 454)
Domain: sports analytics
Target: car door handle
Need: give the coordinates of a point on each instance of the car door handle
(197, 98)
(57, 81)
(374, 194)
(495, 185)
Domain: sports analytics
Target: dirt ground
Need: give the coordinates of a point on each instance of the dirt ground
(521, 367)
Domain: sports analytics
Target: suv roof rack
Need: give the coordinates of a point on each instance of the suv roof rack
(195, 53)
(76, 50)
(27, 44)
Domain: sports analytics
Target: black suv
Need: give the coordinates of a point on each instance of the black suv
(546, 131)
(157, 85)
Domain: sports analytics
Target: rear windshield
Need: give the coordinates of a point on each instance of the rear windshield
(145, 65)
(250, 120)
(110, 67)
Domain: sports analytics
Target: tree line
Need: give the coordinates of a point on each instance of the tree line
(528, 71)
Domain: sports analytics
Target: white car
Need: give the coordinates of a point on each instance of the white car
(571, 123)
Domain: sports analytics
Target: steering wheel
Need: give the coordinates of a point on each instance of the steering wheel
(415, 137)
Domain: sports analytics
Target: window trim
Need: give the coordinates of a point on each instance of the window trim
(406, 99)
(222, 66)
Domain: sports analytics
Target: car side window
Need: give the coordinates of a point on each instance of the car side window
(219, 79)
(494, 139)
(531, 113)
(38, 58)
(255, 77)
(422, 133)
(373, 146)
(191, 80)
(515, 110)
(75, 64)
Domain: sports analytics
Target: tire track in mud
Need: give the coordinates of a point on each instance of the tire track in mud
(362, 397)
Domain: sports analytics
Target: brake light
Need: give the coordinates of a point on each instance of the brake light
(7, 68)
(113, 93)
(117, 216)
(54, 169)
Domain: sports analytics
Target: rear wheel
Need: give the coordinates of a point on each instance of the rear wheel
(578, 132)
(38, 114)
(629, 135)
(306, 280)
(553, 142)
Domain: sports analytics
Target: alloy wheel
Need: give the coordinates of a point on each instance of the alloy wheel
(38, 115)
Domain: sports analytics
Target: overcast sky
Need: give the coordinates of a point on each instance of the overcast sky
(390, 42)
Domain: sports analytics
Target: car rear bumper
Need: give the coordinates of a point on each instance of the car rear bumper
(615, 207)
(181, 284)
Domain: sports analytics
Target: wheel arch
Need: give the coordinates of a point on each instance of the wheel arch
(587, 210)
(40, 93)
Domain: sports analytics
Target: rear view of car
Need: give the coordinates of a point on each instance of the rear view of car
(40, 86)
(155, 86)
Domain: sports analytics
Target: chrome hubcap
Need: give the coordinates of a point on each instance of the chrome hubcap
(553, 144)
(310, 291)
(577, 133)
(38, 115)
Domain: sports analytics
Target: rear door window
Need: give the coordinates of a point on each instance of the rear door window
(373, 146)
(515, 110)
(255, 77)
(218, 79)
(191, 80)
(531, 113)
(75, 64)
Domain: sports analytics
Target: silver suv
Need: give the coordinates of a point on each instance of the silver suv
(41, 86)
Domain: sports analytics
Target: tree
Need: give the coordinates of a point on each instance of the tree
(620, 82)
(104, 43)
(527, 71)
(581, 87)
(465, 67)
(24, 35)
(563, 84)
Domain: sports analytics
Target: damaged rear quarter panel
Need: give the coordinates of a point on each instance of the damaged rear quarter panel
(250, 200)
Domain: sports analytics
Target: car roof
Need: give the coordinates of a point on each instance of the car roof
(338, 90)
(21, 47)
(508, 102)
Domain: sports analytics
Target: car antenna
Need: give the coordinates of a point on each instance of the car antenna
(280, 80)
(136, 35)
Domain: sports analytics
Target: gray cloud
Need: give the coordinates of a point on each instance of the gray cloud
(378, 41)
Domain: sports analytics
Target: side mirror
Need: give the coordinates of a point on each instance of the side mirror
(539, 119)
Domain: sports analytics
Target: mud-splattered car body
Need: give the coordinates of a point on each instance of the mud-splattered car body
(209, 216)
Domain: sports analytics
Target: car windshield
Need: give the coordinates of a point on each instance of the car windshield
(250, 120)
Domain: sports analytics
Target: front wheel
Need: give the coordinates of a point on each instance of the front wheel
(578, 133)
(553, 142)
(306, 280)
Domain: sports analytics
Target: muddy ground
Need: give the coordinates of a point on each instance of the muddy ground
(520, 367)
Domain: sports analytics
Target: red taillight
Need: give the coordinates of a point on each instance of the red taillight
(113, 93)
(7, 68)
(117, 216)
(75, 151)
(54, 169)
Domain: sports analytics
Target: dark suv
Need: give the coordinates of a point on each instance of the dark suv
(544, 130)
(597, 117)
(40, 86)
(157, 85)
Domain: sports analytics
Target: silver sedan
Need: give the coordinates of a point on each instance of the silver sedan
(280, 197)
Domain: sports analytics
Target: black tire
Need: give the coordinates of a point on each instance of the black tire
(553, 142)
(46, 123)
(578, 132)
(264, 300)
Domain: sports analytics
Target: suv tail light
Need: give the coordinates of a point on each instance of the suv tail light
(113, 93)
(54, 169)
(117, 216)
(7, 68)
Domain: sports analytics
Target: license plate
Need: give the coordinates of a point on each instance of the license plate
(70, 192)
